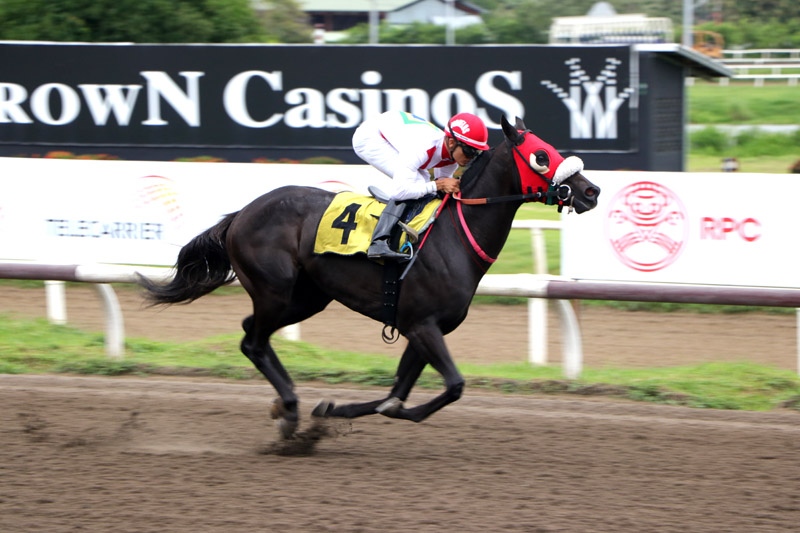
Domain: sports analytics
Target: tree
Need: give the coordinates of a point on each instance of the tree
(143, 21)
(286, 23)
(418, 33)
(760, 10)
(519, 22)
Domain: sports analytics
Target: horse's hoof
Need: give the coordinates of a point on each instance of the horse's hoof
(286, 428)
(276, 410)
(390, 407)
(323, 408)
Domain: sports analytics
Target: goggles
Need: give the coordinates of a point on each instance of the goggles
(470, 152)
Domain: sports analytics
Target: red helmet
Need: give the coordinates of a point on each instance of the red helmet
(469, 129)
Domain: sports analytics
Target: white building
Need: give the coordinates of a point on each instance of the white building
(338, 15)
(602, 25)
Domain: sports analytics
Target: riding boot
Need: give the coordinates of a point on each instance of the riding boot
(379, 247)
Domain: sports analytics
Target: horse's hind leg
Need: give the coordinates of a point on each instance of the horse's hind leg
(257, 348)
(270, 314)
(271, 293)
(248, 347)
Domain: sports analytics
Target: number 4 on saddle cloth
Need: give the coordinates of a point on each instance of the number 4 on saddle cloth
(347, 225)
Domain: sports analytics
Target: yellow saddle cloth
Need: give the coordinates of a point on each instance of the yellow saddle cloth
(347, 225)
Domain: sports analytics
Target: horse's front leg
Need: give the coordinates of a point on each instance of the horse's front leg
(408, 371)
(425, 345)
(428, 341)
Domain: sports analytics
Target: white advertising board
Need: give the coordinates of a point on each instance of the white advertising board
(137, 212)
(709, 228)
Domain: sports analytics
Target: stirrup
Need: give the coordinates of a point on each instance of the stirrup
(381, 250)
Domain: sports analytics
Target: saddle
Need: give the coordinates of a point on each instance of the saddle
(413, 207)
(347, 225)
(346, 228)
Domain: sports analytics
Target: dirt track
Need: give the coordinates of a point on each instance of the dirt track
(182, 455)
(135, 455)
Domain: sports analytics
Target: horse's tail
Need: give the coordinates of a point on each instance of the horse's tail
(203, 265)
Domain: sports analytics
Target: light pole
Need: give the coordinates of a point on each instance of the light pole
(449, 15)
(374, 23)
(688, 22)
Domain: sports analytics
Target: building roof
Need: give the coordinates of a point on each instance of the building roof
(697, 64)
(356, 6)
(601, 9)
(364, 6)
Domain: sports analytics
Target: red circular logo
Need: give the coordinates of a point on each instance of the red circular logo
(647, 226)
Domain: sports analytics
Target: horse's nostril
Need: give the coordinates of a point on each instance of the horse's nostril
(591, 192)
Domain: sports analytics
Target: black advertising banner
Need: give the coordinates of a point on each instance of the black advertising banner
(281, 96)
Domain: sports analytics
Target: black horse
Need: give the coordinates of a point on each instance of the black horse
(269, 246)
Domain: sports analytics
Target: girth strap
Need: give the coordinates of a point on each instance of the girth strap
(391, 294)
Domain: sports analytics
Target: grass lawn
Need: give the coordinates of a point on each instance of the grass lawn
(35, 346)
(778, 164)
(743, 103)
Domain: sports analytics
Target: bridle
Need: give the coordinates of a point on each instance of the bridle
(556, 193)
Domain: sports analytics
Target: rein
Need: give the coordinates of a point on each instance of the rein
(483, 201)
(497, 199)
(475, 246)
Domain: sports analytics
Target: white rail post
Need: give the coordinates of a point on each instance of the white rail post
(56, 302)
(115, 324)
(291, 332)
(572, 366)
(537, 307)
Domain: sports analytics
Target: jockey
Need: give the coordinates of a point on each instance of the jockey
(404, 147)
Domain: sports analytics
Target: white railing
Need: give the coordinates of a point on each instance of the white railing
(530, 286)
(760, 65)
(757, 54)
(758, 79)
(102, 275)
(760, 72)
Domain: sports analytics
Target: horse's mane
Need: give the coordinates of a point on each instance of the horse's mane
(475, 169)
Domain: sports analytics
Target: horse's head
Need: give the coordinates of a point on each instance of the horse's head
(542, 168)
